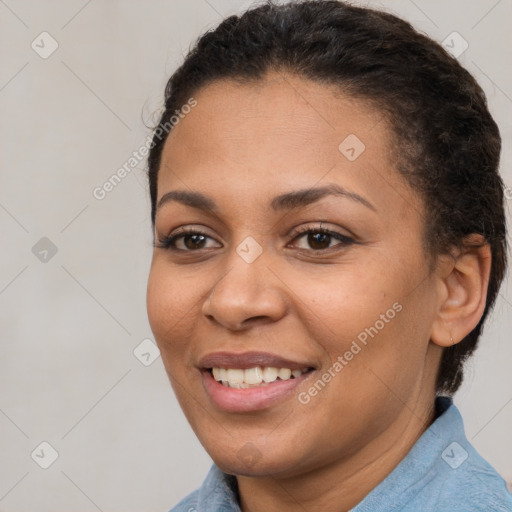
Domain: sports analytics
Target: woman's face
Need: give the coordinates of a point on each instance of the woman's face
(259, 291)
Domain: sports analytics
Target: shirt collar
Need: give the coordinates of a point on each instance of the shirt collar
(219, 492)
(418, 467)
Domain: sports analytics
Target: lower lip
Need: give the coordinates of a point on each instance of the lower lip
(250, 399)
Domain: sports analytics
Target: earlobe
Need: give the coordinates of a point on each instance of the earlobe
(463, 281)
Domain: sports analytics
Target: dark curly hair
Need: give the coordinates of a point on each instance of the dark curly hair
(447, 145)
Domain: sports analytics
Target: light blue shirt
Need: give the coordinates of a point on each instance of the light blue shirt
(441, 473)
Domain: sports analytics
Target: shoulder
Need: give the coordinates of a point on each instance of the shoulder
(473, 486)
(443, 472)
(469, 484)
(459, 478)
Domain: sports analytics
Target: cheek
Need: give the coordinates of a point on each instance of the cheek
(157, 302)
(171, 304)
(346, 301)
(369, 315)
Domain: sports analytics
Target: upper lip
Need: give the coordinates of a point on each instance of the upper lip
(246, 360)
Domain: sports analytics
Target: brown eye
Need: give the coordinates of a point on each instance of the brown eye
(193, 241)
(188, 240)
(319, 239)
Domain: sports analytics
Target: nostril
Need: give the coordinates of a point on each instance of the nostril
(255, 318)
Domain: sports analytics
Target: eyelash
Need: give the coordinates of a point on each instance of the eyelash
(169, 242)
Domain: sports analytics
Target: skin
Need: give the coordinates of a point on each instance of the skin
(242, 145)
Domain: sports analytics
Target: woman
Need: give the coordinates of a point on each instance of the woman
(329, 239)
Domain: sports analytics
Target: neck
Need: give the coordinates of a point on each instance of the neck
(343, 484)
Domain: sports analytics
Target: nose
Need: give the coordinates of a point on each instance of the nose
(246, 294)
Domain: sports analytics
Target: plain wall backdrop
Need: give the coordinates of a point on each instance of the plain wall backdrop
(74, 267)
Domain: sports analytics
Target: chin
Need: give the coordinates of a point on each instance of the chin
(253, 463)
(245, 456)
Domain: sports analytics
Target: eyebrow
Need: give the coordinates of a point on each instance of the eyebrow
(288, 201)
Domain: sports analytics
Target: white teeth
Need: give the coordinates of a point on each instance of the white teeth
(285, 373)
(234, 376)
(252, 377)
(270, 374)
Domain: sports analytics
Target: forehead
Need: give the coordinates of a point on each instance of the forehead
(279, 133)
(281, 111)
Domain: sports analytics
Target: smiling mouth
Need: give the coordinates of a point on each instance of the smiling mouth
(257, 376)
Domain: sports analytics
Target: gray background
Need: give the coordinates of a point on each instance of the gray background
(72, 320)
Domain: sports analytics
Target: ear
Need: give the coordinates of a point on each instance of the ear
(463, 278)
